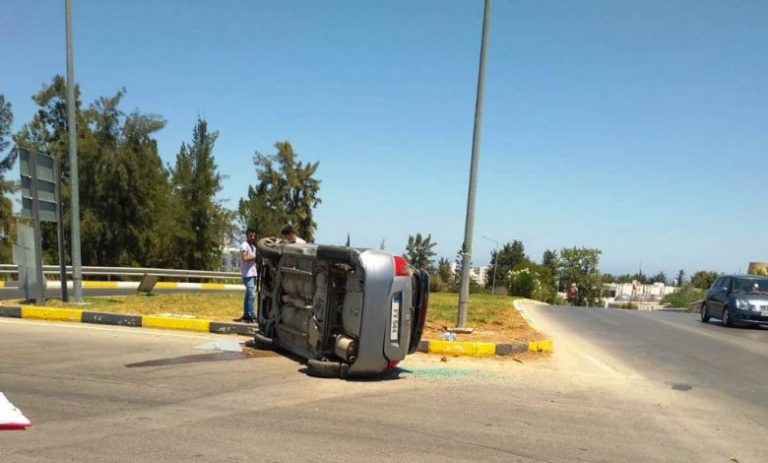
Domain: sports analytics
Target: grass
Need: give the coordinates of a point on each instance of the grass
(492, 316)
(210, 306)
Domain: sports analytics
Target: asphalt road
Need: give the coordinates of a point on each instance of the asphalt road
(677, 350)
(117, 394)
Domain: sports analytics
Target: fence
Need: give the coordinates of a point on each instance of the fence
(8, 270)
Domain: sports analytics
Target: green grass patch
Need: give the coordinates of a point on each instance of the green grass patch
(483, 308)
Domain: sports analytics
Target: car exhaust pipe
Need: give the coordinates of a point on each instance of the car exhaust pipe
(346, 348)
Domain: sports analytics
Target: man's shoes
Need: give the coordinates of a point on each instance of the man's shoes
(244, 320)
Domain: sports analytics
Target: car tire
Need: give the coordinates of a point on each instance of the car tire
(323, 368)
(726, 317)
(269, 247)
(262, 342)
(704, 313)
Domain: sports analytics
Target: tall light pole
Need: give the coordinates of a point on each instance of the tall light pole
(74, 191)
(495, 262)
(466, 249)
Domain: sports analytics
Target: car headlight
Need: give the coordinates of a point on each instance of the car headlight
(742, 304)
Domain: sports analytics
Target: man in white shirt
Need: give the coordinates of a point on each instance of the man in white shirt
(289, 235)
(248, 256)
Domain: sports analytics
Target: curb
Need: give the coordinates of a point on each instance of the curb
(452, 348)
(483, 349)
(137, 321)
(488, 349)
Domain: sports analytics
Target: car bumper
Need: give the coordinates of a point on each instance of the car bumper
(750, 317)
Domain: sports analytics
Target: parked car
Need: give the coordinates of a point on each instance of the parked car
(347, 311)
(737, 299)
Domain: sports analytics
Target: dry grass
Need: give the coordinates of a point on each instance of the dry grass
(210, 306)
(493, 317)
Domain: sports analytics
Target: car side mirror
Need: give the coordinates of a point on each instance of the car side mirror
(724, 288)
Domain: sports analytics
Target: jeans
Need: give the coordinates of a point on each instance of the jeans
(250, 297)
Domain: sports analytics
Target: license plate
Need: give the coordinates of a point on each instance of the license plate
(394, 319)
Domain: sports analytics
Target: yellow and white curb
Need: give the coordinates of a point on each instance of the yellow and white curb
(483, 349)
(138, 321)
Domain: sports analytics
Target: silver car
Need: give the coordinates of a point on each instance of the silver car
(737, 299)
(348, 311)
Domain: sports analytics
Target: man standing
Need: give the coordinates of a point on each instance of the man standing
(248, 258)
(289, 235)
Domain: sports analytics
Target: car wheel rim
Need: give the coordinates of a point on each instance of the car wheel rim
(726, 316)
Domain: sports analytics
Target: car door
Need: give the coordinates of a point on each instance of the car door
(709, 301)
(720, 297)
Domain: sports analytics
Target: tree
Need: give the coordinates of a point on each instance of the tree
(522, 281)
(680, 278)
(419, 251)
(47, 133)
(201, 220)
(7, 160)
(287, 192)
(474, 286)
(580, 266)
(550, 260)
(660, 277)
(444, 271)
(703, 279)
(505, 259)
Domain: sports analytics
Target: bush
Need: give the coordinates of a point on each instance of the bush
(685, 296)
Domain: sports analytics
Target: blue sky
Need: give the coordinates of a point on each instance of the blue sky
(639, 128)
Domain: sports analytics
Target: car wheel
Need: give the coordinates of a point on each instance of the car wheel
(726, 317)
(704, 313)
(269, 247)
(323, 368)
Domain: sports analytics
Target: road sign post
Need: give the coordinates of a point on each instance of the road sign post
(41, 201)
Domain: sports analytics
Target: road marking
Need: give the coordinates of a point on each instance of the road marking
(601, 365)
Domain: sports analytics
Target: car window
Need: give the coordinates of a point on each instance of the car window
(717, 284)
(748, 284)
(726, 283)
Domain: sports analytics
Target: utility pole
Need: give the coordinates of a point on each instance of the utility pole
(74, 191)
(466, 249)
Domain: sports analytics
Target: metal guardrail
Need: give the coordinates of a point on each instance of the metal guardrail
(11, 269)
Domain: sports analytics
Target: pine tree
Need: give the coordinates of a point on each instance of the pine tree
(7, 186)
(287, 192)
(201, 220)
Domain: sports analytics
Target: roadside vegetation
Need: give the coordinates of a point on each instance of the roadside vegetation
(493, 317)
(685, 296)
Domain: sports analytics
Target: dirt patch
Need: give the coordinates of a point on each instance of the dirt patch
(514, 329)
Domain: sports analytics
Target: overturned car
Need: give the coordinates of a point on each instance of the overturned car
(348, 311)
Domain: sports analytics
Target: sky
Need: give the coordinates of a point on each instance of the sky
(638, 128)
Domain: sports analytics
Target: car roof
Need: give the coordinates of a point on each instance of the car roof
(748, 277)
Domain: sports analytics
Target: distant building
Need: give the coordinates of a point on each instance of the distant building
(477, 274)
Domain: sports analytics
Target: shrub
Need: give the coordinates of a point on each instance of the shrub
(685, 296)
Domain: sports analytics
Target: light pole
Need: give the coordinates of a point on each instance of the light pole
(466, 248)
(74, 189)
(495, 262)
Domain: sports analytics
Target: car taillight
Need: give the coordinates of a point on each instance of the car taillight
(391, 364)
(401, 267)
